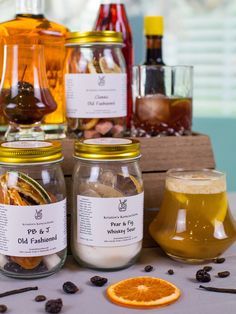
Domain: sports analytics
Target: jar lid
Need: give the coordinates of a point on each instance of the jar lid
(107, 149)
(94, 37)
(27, 152)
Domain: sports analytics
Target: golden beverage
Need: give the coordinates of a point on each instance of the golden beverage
(36, 29)
(194, 222)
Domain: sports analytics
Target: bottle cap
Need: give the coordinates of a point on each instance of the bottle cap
(153, 25)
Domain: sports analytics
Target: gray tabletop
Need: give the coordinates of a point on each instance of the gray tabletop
(92, 300)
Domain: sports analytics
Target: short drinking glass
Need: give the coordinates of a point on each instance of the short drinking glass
(194, 223)
(162, 98)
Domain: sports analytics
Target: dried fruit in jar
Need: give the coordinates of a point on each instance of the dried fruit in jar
(95, 127)
(104, 190)
(108, 65)
(88, 124)
(94, 67)
(27, 262)
(128, 184)
(17, 188)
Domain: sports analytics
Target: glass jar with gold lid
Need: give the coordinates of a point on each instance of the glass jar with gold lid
(95, 80)
(107, 217)
(32, 209)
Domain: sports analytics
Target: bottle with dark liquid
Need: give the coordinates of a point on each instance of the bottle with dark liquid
(112, 16)
(30, 26)
(25, 98)
(153, 30)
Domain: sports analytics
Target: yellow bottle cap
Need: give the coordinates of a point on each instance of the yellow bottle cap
(153, 25)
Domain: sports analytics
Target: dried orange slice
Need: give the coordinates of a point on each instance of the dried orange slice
(143, 292)
(88, 124)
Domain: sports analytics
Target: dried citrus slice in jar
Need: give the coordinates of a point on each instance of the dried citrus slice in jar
(129, 184)
(143, 292)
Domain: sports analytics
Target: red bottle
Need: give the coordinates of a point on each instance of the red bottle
(112, 16)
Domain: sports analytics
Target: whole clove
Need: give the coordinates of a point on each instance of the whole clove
(222, 290)
(17, 291)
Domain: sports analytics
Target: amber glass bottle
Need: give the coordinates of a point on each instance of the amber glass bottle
(112, 16)
(31, 27)
(153, 30)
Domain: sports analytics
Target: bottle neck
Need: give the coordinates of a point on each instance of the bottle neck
(30, 7)
(154, 50)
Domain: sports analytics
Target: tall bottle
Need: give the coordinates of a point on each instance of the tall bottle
(112, 16)
(153, 30)
(30, 26)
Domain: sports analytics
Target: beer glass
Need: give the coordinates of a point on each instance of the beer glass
(194, 223)
(162, 100)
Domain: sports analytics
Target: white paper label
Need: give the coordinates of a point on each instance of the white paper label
(96, 95)
(33, 230)
(110, 221)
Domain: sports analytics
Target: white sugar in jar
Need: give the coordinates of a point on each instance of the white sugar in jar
(107, 217)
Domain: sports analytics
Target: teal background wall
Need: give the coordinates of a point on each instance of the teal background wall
(222, 133)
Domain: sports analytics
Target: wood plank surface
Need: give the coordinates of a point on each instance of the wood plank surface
(161, 153)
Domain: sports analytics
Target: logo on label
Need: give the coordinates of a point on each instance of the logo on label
(122, 205)
(38, 214)
(101, 80)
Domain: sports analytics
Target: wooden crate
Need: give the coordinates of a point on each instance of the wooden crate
(158, 155)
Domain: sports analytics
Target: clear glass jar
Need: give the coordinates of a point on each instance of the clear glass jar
(95, 82)
(32, 209)
(107, 217)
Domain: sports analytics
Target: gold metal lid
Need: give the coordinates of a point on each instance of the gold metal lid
(28, 152)
(107, 149)
(93, 37)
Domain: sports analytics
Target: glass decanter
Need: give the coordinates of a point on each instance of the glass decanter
(25, 98)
